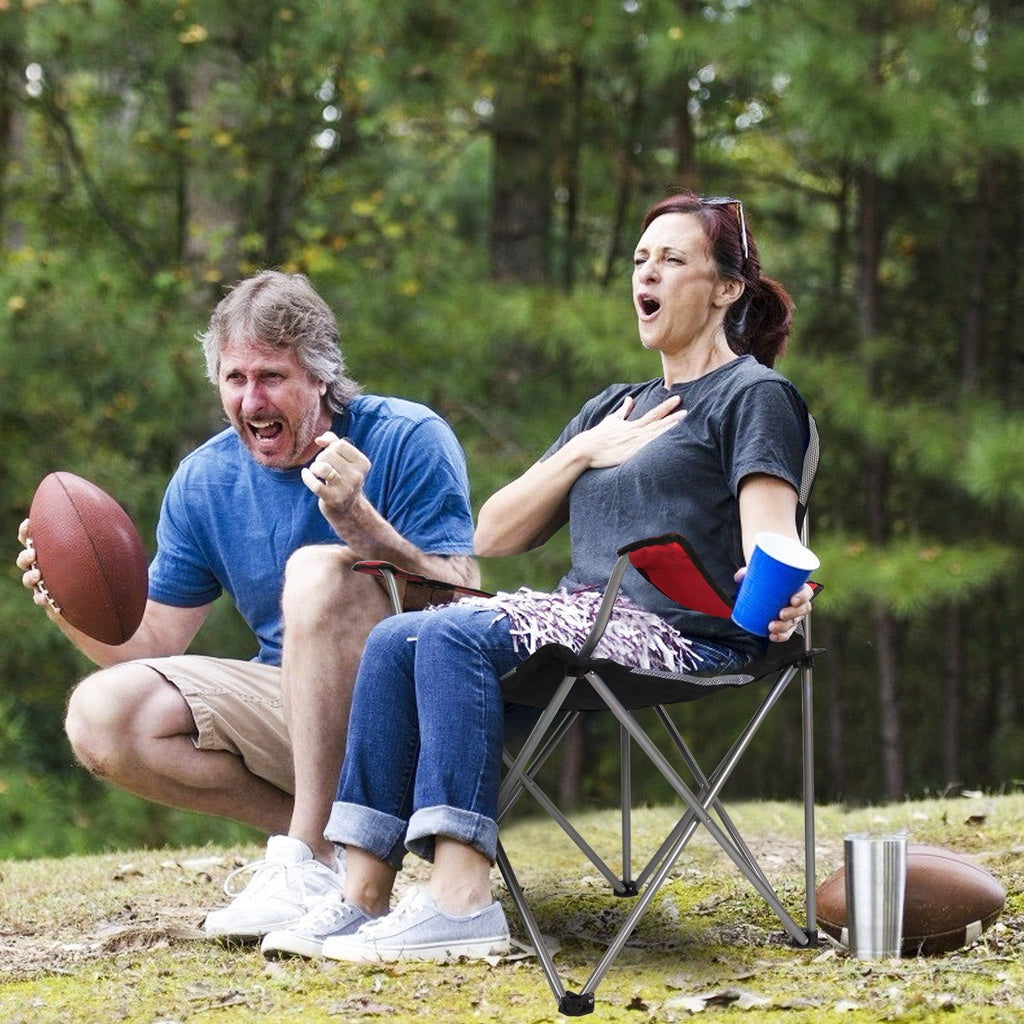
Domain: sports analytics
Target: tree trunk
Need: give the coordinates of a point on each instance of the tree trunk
(626, 172)
(687, 174)
(211, 249)
(953, 711)
(573, 759)
(177, 97)
(833, 693)
(278, 207)
(572, 176)
(685, 136)
(527, 117)
(890, 730)
(842, 232)
(978, 281)
(876, 486)
(12, 64)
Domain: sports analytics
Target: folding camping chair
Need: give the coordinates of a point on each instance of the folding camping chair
(562, 683)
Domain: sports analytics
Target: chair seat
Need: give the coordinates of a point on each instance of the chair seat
(532, 681)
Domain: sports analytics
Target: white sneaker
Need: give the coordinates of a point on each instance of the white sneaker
(306, 937)
(285, 885)
(417, 929)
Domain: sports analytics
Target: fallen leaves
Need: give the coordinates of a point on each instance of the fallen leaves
(741, 999)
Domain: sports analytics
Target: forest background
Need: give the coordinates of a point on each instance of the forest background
(463, 181)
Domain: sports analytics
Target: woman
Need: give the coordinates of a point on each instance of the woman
(712, 449)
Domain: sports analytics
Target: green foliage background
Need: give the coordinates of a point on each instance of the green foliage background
(152, 152)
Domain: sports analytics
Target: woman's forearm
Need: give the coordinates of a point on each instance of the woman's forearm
(527, 511)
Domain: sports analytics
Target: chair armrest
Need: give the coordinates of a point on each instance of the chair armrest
(419, 591)
(671, 563)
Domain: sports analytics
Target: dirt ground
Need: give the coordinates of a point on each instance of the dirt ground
(130, 924)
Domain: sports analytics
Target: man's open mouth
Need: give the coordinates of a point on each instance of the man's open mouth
(265, 430)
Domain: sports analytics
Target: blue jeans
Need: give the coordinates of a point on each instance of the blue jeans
(426, 731)
(425, 735)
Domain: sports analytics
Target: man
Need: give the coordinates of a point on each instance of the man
(310, 477)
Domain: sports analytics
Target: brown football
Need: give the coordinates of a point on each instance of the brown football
(91, 557)
(950, 900)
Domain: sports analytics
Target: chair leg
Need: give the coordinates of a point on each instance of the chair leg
(513, 786)
(520, 771)
(708, 786)
(703, 807)
(572, 1004)
(619, 886)
(810, 867)
(698, 807)
(628, 886)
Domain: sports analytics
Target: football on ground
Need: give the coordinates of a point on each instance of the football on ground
(91, 557)
(950, 900)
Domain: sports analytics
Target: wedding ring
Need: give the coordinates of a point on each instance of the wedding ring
(331, 474)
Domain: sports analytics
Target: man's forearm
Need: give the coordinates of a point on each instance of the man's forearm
(371, 536)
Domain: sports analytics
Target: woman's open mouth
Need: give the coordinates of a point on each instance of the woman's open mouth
(647, 305)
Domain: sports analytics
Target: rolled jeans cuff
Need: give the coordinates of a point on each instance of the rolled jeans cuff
(380, 834)
(475, 830)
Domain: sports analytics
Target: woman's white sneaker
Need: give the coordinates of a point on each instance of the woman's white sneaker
(417, 929)
(307, 936)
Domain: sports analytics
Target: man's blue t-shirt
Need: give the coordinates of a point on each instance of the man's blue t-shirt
(229, 524)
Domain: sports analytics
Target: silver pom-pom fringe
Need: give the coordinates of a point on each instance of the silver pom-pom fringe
(634, 637)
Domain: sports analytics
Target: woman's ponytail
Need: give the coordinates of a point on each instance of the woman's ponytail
(758, 322)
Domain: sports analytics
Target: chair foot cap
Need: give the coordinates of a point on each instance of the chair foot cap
(575, 1004)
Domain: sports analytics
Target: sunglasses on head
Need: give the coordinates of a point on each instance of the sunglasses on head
(729, 201)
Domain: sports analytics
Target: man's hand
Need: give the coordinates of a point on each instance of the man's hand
(336, 476)
(31, 577)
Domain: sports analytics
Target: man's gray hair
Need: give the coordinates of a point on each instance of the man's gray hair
(281, 311)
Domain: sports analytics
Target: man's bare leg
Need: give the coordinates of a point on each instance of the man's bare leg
(328, 614)
(131, 727)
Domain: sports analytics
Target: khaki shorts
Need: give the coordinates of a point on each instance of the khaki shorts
(237, 707)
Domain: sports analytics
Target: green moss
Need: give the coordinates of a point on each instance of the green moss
(117, 938)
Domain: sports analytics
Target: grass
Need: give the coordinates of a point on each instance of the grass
(118, 937)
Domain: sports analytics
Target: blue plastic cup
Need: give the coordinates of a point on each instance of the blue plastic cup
(778, 568)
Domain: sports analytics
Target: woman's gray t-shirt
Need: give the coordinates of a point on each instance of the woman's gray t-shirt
(742, 418)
